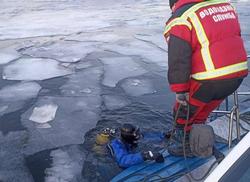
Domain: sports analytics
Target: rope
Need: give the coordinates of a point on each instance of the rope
(188, 174)
(184, 152)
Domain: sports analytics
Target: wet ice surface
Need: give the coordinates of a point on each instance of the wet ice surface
(7, 55)
(71, 68)
(44, 113)
(34, 69)
(14, 96)
(113, 75)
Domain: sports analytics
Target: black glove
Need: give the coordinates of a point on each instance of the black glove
(182, 98)
(149, 155)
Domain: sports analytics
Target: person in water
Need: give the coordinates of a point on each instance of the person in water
(123, 148)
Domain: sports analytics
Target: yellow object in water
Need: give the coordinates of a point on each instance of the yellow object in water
(102, 138)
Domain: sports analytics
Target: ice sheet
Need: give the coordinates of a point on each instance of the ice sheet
(155, 39)
(7, 55)
(102, 37)
(118, 68)
(44, 113)
(83, 83)
(65, 167)
(34, 69)
(49, 22)
(65, 51)
(19, 92)
(150, 53)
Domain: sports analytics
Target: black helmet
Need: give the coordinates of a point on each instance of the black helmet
(171, 3)
(130, 134)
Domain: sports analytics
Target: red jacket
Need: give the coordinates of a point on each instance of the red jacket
(204, 43)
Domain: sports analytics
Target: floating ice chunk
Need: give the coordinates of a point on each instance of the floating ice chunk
(138, 87)
(118, 68)
(74, 117)
(63, 169)
(3, 108)
(86, 90)
(82, 65)
(83, 83)
(115, 102)
(34, 69)
(154, 39)
(149, 52)
(7, 55)
(65, 64)
(103, 37)
(43, 125)
(44, 113)
(65, 51)
(20, 91)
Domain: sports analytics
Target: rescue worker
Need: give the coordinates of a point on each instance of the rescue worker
(207, 60)
(124, 148)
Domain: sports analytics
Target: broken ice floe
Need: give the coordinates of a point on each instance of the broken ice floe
(127, 68)
(66, 165)
(44, 114)
(102, 37)
(7, 55)
(19, 91)
(221, 127)
(155, 39)
(74, 117)
(150, 53)
(34, 69)
(64, 51)
(83, 83)
(138, 87)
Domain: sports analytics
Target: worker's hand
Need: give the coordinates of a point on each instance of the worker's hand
(182, 98)
(149, 155)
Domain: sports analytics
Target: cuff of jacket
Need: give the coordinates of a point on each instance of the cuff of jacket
(179, 87)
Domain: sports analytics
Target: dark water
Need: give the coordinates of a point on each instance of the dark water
(97, 165)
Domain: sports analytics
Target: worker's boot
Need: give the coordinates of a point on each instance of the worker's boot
(176, 148)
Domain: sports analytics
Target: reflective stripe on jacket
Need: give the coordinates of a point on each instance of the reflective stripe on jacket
(212, 30)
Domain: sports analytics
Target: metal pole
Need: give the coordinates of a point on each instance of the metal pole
(237, 114)
(230, 134)
(243, 93)
(227, 104)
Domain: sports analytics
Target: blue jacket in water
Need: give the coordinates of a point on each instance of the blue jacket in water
(124, 153)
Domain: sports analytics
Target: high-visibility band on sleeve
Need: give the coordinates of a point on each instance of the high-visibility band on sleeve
(177, 21)
(221, 71)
